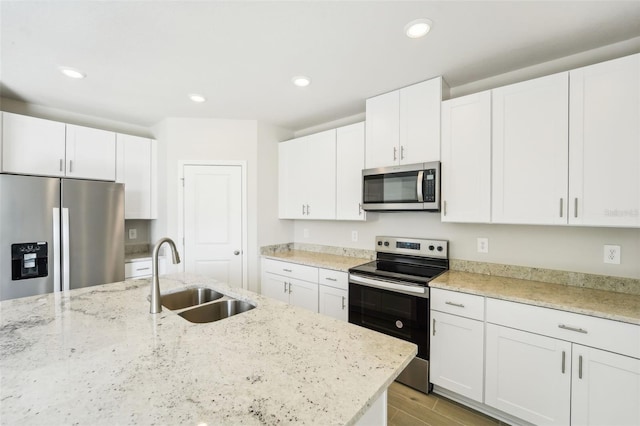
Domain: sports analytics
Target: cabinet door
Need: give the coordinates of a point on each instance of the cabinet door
(275, 286)
(303, 294)
(90, 153)
(333, 302)
(291, 165)
(466, 159)
(319, 175)
(605, 388)
(528, 375)
(604, 144)
(135, 156)
(420, 122)
(457, 354)
(530, 151)
(32, 145)
(349, 165)
(383, 130)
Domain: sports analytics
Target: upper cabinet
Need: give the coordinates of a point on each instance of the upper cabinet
(530, 151)
(307, 177)
(42, 147)
(137, 159)
(604, 144)
(349, 165)
(403, 126)
(466, 159)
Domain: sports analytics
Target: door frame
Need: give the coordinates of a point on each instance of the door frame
(244, 220)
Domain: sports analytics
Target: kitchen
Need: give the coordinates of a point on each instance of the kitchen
(564, 248)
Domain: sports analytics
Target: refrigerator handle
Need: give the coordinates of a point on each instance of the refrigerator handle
(65, 249)
(56, 249)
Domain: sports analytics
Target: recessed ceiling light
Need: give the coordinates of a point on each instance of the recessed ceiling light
(197, 98)
(72, 72)
(418, 28)
(301, 81)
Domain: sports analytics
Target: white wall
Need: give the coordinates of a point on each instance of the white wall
(576, 249)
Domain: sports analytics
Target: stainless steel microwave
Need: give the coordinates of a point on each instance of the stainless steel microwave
(406, 187)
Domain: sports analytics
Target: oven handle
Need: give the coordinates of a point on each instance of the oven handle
(356, 279)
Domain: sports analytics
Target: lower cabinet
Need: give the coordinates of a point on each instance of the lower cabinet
(142, 268)
(334, 293)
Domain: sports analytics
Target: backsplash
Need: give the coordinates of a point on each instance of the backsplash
(575, 279)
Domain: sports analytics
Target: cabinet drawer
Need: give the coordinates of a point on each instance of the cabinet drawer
(292, 270)
(331, 278)
(462, 304)
(614, 336)
(137, 269)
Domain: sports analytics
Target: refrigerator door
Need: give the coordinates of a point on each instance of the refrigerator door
(29, 215)
(92, 233)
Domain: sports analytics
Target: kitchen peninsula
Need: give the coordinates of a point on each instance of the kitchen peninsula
(96, 356)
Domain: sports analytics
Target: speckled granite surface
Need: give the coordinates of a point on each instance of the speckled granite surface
(318, 259)
(599, 303)
(96, 356)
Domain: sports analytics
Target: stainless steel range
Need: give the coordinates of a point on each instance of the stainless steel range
(391, 295)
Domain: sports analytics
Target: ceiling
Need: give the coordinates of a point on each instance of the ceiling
(142, 58)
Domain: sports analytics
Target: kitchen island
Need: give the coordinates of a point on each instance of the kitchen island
(96, 356)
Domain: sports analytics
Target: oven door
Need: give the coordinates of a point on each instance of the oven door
(394, 308)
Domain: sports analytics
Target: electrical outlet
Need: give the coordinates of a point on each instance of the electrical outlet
(354, 236)
(305, 232)
(133, 233)
(483, 245)
(612, 254)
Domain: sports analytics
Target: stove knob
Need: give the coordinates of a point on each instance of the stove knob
(431, 248)
(379, 243)
(440, 248)
(386, 243)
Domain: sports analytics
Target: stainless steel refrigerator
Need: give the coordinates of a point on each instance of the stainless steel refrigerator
(59, 234)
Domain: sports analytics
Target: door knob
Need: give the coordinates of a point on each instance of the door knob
(236, 252)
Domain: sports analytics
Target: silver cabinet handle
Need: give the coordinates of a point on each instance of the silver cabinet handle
(564, 356)
(444, 207)
(395, 153)
(303, 213)
(330, 279)
(561, 207)
(576, 329)
(61, 165)
(359, 209)
(459, 305)
(434, 327)
(289, 288)
(343, 302)
(285, 286)
(580, 367)
(575, 207)
(308, 210)
(142, 269)
(402, 152)
(287, 270)
(70, 166)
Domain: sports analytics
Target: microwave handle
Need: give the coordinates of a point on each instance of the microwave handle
(419, 186)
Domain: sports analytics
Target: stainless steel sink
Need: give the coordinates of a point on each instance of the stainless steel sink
(189, 297)
(216, 311)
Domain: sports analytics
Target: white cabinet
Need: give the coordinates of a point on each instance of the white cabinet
(528, 375)
(307, 177)
(457, 343)
(403, 126)
(530, 151)
(32, 145)
(334, 294)
(90, 153)
(137, 169)
(466, 159)
(290, 282)
(42, 147)
(143, 268)
(604, 144)
(349, 165)
(605, 388)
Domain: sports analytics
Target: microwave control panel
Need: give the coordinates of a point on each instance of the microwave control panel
(429, 186)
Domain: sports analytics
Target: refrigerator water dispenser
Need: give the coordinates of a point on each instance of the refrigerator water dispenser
(29, 260)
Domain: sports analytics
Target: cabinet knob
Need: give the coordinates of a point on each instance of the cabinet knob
(236, 252)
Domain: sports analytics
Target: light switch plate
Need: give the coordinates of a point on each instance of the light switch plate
(354, 236)
(612, 254)
(483, 245)
(133, 234)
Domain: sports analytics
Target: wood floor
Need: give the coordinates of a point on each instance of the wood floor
(406, 406)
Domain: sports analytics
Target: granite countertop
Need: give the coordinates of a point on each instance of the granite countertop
(96, 356)
(320, 260)
(599, 303)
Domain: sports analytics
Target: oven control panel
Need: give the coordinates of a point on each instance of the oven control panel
(413, 246)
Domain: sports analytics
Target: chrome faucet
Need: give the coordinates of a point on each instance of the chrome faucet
(156, 307)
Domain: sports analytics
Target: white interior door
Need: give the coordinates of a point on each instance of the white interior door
(213, 222)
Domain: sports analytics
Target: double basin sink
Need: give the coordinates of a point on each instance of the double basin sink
(202, 305)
